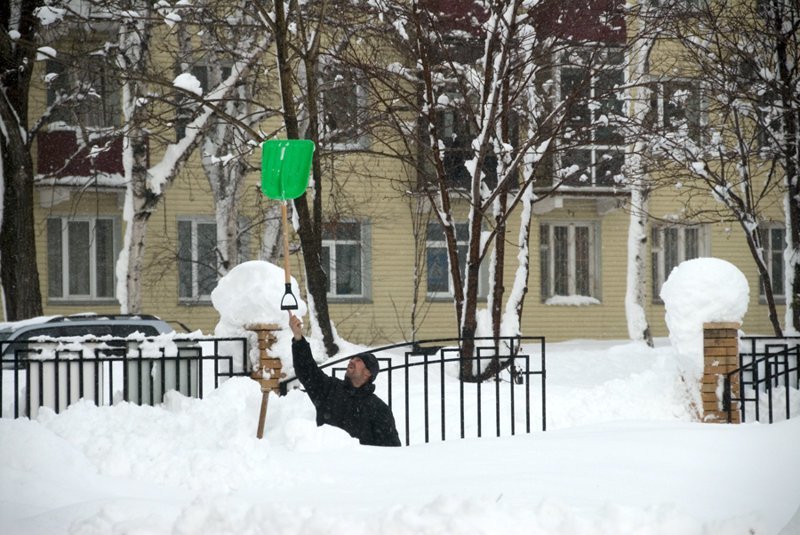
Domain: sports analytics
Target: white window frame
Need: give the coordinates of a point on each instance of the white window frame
(659, 254)
(195, 261)
(364, 248)
(595, 148)
(547, 242)
(771, 257)
(462, 243)
(62, 257)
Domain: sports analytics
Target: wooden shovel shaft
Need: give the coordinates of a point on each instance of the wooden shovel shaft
(262, 415)
(287, 279)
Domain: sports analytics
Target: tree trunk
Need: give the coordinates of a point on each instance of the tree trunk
(20, 276)
(498, 288)
(271, 238)
(519, 290)
(469, 321)
(18, 270)
(638, 326)
(756, 250)
(133, 282)
(310, 224)
(143, 201)
(786, 41)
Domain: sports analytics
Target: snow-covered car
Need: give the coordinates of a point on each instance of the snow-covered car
(16, 337)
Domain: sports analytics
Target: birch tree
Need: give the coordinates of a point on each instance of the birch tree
(734, 134)
(638, 103)
(147, 183)
(235, 126)
(490, 65)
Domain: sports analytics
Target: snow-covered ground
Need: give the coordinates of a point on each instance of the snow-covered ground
(621, 455)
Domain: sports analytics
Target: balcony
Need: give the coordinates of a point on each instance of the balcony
(61, 155)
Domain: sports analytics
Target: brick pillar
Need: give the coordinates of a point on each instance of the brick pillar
(268, 373)
(720, 356)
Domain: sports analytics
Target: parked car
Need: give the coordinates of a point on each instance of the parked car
(15, 337)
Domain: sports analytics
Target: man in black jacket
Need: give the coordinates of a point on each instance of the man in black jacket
(350, 404)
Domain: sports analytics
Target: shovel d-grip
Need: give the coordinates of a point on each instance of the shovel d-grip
(289, 301)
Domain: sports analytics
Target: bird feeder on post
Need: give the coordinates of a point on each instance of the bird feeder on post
(268, 373)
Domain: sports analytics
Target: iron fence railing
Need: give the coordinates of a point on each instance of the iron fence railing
(766, 386)
(419, 381)
(436, 404)
(55, 373)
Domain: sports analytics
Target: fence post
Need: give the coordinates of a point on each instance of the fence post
(268, 373)
(720, 356)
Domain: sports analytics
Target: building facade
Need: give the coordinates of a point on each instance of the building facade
(386, 262)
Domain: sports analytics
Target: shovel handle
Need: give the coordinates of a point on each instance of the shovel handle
(289, 301)
(287, 278)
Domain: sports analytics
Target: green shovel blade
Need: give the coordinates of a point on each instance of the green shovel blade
(285, 166)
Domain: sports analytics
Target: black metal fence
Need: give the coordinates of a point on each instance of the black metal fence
(420, 382)
(766, 387)
(55, 373)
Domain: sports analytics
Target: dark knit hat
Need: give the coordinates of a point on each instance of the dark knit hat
(371, 364)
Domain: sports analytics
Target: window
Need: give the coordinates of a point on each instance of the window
(81, 253)
(89, 93)
(595, 155)
(344, 259)
(197, 259)
(438, 265)
(568, 260)
(343, 109)
(773, 242)
(676, 108)
(672, 245)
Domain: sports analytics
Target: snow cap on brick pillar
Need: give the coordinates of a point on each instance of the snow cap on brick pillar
(251, 294)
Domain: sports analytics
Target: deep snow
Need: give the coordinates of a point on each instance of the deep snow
(622, 454)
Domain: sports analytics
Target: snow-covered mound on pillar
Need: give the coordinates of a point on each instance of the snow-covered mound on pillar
(252, 293)
(698, 291)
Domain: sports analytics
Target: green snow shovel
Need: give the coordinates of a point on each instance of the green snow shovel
(285, 166)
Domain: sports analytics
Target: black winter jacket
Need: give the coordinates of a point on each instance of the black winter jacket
(356, 410)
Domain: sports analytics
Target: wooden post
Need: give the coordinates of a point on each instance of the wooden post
(720, 357)
(268, 373)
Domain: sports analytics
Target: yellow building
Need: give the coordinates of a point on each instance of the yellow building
(579, 239)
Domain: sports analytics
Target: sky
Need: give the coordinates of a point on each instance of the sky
(621, 454)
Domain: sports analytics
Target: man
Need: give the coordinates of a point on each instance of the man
(350, 404)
